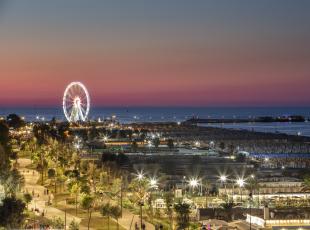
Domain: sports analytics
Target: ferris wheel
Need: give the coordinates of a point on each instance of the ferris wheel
(76, 102)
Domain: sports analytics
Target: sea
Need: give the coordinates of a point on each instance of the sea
(179, 114)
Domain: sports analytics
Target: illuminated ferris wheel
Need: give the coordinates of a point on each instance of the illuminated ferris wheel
(76, 102)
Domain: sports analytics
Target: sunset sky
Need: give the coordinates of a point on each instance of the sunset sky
(156, 52)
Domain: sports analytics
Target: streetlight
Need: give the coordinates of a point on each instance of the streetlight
(141, 204)
(250, 201)
(140, 176)
(223, 179)
(194, 183)
(240, 183)
(211, 144)
(153, 183)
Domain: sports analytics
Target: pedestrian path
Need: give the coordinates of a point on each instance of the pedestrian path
(40, 196)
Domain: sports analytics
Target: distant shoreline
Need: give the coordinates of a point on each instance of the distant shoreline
(265, 119)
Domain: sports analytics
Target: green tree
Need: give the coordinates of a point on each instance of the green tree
(75, 190)
(241, 158)
(170, 144)
(116, 213)
(27, 198)
(169, 199)
(182, 210)
(156, 142)
(51, 173)
(106, 210)
(134, 146)
(222, 145)
(92, 174)
(74, 225)
(4, 134)
(228, 207)
(41, 132)
(5, 149)
(12, 213)
(76, 160)
(15, 121)
(42, 163)
(57, 223)
(87, 203)
(306, 183)
(12, 182)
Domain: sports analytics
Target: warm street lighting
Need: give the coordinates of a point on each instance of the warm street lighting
(240, 182)
(140, 175)
(223, 178)
(252, 176)
(193, 183)
(153, 182)
(197, 144)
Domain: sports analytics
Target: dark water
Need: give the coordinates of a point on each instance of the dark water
(292, 128)
(155, 114)
(280, 155)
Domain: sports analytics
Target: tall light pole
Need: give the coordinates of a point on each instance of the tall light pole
(141, 220)
(250, 200)
(223, 180)
(153, 183)
(183, 187)
(240, 183)
(193, 183)
(140, 177)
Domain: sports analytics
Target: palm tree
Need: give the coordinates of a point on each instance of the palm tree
(228, 207)
(253, 187)
(306, 184)
(183, 211)
(169, 199)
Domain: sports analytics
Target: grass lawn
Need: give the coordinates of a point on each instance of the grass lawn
(97, 221)
(101, 223)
